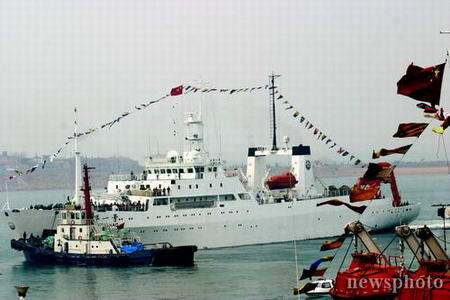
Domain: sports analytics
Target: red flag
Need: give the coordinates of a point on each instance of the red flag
(422, 84)
(120, 225)
(176, 91)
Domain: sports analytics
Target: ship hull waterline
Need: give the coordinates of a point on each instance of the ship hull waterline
(231, 226)
(178, 256)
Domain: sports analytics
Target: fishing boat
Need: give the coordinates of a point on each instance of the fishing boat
(80, 240)
(191, 198)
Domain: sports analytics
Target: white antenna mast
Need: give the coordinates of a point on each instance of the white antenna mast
(76, 196)
(6, 206)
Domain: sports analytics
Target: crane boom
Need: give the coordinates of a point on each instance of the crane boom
(424, 233)
(405, 233)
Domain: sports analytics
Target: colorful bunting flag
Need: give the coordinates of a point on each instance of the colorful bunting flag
(176, 91)
(312, 273)
(410, 130)
(377, 172)
(385, 152)
(329, 245)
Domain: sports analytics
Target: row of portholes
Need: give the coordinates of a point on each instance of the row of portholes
(185, 215)
(176, 216)
(240, 225)
(192, 228)
(175, 229)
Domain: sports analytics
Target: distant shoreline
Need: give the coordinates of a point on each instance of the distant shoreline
(100, 181)
(357, 172)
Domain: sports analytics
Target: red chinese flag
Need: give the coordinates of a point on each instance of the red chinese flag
(176, 91)
(422, 84)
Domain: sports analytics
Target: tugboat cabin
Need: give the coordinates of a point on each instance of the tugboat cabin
(75, 234)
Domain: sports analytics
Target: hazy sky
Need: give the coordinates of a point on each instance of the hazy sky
(339, 60)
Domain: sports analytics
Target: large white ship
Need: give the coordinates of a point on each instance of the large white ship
(190, 198)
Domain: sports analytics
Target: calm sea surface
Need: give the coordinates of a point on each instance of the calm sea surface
(250, 272)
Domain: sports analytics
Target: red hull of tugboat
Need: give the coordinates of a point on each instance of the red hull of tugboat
(283, 181)
(355, 282)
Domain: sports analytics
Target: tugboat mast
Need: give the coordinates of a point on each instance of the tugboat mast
(273, 115)
(87, 194)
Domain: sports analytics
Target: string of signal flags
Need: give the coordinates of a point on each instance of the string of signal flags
(176, 91)
(421, 84)
(321, 136)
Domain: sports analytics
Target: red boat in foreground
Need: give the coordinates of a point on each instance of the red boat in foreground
(375, 276)
(371, 275)
(431, 281)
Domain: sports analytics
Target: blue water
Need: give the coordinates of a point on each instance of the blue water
(250, 272)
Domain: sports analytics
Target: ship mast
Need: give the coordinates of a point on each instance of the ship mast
(87, 194)
(273, 122)
(76, 196)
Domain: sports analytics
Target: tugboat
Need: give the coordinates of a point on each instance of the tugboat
(80, 240)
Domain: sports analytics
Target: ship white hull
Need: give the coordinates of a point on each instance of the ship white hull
(236, 224)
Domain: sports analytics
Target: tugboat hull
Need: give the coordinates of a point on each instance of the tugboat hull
(175, 256)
